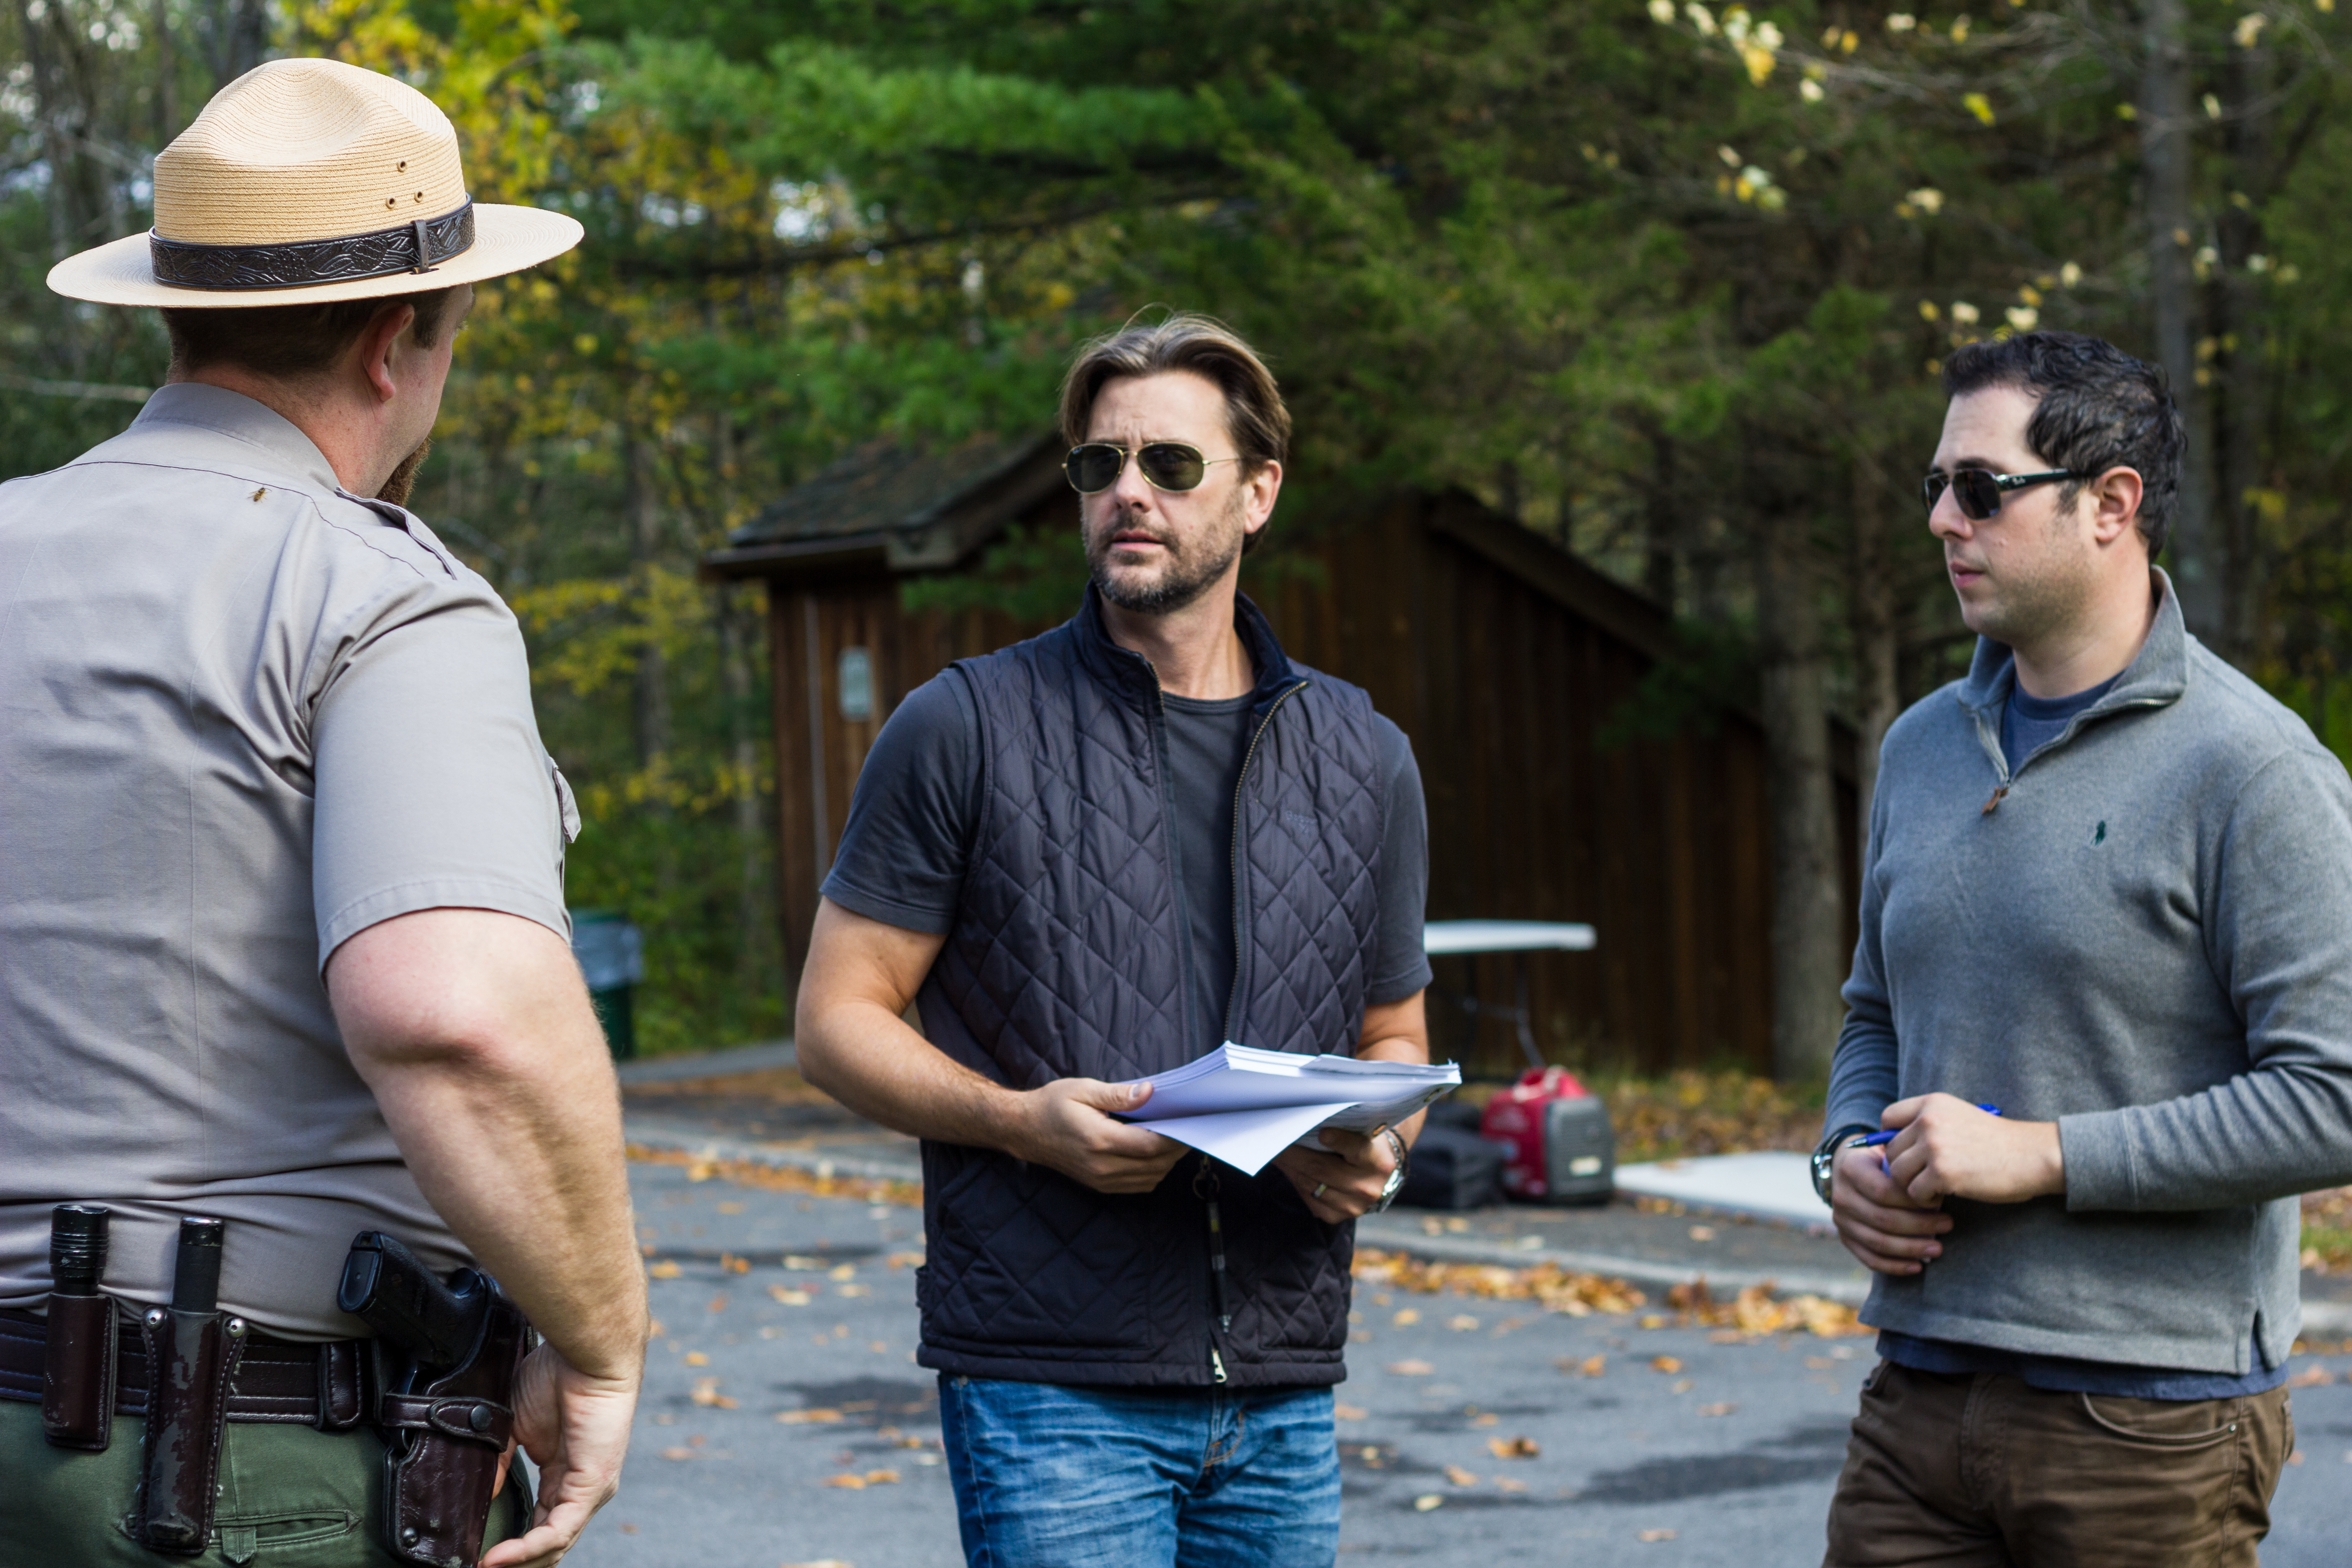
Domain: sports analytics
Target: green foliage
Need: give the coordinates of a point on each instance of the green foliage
(1031, 573)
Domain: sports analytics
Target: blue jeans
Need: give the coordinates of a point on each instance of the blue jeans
(1047, 1476)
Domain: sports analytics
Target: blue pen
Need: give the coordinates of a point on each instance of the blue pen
(1877, 1139)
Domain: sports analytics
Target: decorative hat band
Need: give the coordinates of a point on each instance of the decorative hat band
(414, 246)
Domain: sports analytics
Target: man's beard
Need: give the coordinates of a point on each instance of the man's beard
(1190, 570)
(403, 479)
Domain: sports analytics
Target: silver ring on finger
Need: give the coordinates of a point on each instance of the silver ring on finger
(1320, 1186)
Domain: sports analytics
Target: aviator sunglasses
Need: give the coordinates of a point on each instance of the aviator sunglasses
(1978, 491)
(1165, 465)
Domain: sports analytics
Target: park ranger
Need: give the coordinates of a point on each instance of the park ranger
(283, 959)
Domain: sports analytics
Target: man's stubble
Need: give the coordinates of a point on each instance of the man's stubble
(2034, 600)
(403, 479)
(1191, 569)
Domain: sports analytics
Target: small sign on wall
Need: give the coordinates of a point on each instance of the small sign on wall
(856, 684)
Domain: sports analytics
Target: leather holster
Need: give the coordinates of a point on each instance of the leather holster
(77, 1373)
(443, 1442)
(191, 1357)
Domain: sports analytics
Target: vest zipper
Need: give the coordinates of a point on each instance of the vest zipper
(1204, 1187)
(1241, 937)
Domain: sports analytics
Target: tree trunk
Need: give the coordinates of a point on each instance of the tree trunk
(651, 708)
(1664, 521)
(2164, 128)
(2239, 399)
(738, 636)
(1871, 603)
(236, 35)
(1806, 926)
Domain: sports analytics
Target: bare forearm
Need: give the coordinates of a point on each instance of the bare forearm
(521, 1153)
(1397, 1032)
(865, 1056)
(474, 1032)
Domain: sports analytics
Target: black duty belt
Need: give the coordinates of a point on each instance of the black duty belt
(321, 1385)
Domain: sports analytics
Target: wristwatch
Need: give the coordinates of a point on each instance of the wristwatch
(1395, 1183)
(1825, 1155)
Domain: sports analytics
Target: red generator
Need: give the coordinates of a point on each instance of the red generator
(1560, 1146)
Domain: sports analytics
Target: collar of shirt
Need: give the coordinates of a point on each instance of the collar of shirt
(241, 418)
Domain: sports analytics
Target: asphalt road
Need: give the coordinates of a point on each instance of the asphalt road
(784, 1372)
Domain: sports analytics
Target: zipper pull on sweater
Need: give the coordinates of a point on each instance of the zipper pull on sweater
(1994, 804)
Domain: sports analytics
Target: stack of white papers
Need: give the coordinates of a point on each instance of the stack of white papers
(1243, 1106)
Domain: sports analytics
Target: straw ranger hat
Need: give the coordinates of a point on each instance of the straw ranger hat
(305, 182)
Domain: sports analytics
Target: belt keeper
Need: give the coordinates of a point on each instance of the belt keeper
(424, 256)
(343, 1389)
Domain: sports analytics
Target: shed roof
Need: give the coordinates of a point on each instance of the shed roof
(895, 506)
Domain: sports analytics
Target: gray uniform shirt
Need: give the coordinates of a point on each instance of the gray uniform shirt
(244, 715)
(2149, 941)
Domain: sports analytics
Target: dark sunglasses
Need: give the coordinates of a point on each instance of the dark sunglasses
(1978, 491)
(1166, 465)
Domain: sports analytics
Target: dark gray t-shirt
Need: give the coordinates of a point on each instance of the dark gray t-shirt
(917, 805)
(2028, 722)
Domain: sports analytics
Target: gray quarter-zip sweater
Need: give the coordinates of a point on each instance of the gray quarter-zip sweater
(2144, 935)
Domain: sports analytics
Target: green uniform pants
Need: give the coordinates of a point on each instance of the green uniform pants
(291, 1496)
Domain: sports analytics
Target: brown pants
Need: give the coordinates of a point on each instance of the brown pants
(1982, 1471)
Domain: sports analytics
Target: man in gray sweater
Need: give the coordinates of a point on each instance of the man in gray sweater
(2108, 892)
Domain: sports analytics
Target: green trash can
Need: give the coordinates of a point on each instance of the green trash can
(611, 953)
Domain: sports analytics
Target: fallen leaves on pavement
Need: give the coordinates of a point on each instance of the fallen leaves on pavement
(1514, 1447)
(2311, 1378)
(1655, 1535)
(1460, 1476)
(1428, 1500)
(1726, 1408)
(788, 1296)
(1350, 1412)
(1406, 1318)
(1693, 1113)
(706, 1393)
(695, 1358)
(1559, 1289)
(854, 1482)
(817, 1414)
(1665, 1363)
(781, 1178)
(1461, 1323)
(1754, 1311)
(664, 1269)
(1591, 1366)
(1410, 1369)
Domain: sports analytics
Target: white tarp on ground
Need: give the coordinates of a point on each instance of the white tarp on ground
(1774, 1184)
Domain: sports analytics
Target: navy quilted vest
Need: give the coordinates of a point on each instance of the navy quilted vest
(1068, 959)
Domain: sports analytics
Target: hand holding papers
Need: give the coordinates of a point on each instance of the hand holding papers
(1244, 1106)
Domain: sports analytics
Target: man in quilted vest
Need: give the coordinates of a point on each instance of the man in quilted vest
(1091, 858)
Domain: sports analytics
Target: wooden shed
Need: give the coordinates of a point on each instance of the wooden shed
(1511, 665)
